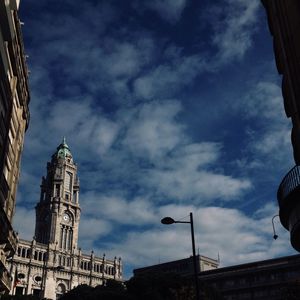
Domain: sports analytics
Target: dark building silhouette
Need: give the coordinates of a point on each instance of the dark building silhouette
(271, 279)
(14, 119)
(284, 25)
(183, 267)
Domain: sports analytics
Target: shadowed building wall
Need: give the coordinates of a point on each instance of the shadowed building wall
(14, 119)
(284, 25)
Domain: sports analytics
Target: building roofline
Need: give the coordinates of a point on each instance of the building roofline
(273, 262)
(198, 257)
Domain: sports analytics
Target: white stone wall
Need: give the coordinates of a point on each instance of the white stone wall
(27, 269)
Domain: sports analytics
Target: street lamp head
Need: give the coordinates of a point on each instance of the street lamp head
(167, 221)
(275, 236)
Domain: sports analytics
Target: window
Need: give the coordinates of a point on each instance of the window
(68, 181)
(57, 190)
(60, 290)
(38, 279)
(21, 275)
(19, 290)
(36, 292)
(74, 196)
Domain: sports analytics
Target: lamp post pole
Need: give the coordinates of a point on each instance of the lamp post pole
(168, 221)
(194, 257)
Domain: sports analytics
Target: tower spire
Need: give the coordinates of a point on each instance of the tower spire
(62, 151)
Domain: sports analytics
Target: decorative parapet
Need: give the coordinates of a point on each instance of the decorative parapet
(8, 237)
(290, 183)
(5, 280)
(288, 196)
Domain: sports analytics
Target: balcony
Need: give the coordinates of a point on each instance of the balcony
(5, 279)
(8, 238)
(288, 196)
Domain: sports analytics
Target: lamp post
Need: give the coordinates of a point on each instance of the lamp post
(275, 236)
(169, 221)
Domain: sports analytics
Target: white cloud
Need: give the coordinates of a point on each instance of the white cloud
(24, 222)
(200, 186)
(169, 10)
(234, 24)
(80, 122)
(91, 230)
(265, 100)
(167, 79)
(237, 237)
(136, 212)
(186, 175)
(123, 60)
(264, 104)
(153, 132)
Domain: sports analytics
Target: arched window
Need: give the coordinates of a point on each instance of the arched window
(68, 181)
(60, 290)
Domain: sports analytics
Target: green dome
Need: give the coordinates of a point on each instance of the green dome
(63, 150)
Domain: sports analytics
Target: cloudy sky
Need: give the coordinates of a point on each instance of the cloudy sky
(169, 107)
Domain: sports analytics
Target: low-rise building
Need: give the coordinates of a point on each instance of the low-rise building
(267, 279)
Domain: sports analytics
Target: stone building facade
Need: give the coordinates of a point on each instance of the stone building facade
(14, 119)
(52, 263)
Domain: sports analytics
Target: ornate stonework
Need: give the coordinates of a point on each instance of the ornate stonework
(52, 263)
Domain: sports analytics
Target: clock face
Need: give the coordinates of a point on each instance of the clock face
(66, 217)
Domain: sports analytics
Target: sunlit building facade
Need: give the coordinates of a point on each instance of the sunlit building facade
(52, 264)
(14, 119)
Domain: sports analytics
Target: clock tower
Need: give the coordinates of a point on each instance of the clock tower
(52, 264)
(58, 210)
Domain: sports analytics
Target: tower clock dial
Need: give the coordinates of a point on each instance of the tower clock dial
(66, 217)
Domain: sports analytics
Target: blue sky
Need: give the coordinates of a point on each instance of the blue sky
(168, 107)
